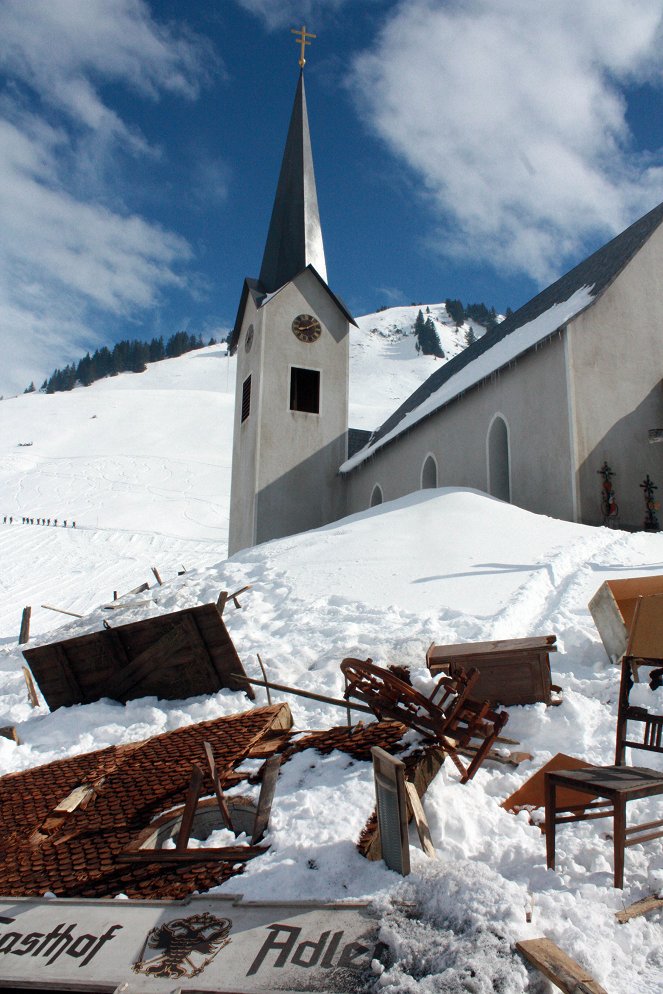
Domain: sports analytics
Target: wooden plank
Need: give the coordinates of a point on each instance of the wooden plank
(420, 819)
(442, 653)
(199, 649)
(156, 576)
(641, 907)
(9, 732)
(218, 789)
(72, 614)
(305, 693)
(32, 693)
(229, 854)
(554, 964)
(192, 795)
(24, 635)
(144, 664)
(267, 791)
(67, 674)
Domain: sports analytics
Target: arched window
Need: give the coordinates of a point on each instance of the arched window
(429, 473)
(376, 496)
(499, 473)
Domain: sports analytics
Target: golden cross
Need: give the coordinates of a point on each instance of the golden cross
(301, 40)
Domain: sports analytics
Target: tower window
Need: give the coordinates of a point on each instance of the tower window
(246, 398)
(305, 390)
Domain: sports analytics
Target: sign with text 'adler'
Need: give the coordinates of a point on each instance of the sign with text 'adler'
(209, 943)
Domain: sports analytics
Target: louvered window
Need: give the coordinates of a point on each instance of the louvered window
(246, 398)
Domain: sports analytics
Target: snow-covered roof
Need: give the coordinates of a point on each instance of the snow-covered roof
(531, 324)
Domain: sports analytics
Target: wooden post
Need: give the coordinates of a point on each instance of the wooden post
(59, 610)
(156, 576)
(32, 693)
(24, 636)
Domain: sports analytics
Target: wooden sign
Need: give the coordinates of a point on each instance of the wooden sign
(209, 943)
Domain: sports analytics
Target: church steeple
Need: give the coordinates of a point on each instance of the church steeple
(294, 240)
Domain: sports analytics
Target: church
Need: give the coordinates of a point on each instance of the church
(529, 413)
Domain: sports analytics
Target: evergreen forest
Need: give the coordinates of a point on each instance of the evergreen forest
(125, 357)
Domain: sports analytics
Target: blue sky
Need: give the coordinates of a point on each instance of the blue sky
(466, 148)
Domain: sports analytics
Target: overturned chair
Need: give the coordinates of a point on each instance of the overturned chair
(448, 715)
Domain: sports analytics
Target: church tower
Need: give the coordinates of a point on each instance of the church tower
(291, 338)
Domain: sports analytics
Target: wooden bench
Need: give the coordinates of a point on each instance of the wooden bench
(511, 671)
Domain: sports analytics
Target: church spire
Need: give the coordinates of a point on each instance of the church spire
(294, 240)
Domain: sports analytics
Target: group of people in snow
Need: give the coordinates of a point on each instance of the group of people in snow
(8, 519)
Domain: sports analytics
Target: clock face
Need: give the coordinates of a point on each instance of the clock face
(306, 328)
(249, 339)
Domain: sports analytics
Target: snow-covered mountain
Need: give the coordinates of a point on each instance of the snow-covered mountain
(142, 464)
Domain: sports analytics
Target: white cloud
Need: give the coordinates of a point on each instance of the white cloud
(512, 115)
(280, 13)
(68, 262)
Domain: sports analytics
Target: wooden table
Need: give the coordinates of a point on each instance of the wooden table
(511, 671)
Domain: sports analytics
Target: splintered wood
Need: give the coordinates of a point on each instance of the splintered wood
(554, 964)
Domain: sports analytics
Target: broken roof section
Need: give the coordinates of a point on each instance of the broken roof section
(535, 321)
(66, 824)
(173, 656)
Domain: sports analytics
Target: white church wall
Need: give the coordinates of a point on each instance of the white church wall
(616, 359)
(531, 395)
(298, 486)
(245, 434)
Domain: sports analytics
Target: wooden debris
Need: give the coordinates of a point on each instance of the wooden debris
(641, 907)
(554, 964)
(189, 813)
(72, 614)
(391, 799)
(156, 576)
(511, 671)
(229, 854)
(531, 794)
(173, 656)
(32, 693)
(224, 597)
(264, 676)
(218, 789)
(24, 636)
(612, 608)
(304, 693)
(9, 732)
(267, 791)
(419, 815)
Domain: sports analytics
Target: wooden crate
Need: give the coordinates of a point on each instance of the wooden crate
(511, 671)
(175, 656)
(612, 608)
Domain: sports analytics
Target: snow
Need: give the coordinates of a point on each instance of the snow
(495, 358)
(147, 482)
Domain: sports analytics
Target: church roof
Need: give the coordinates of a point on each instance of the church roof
(540, 317)
(294, 240)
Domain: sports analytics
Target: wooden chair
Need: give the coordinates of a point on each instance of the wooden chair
(448, 715)
(614, 786)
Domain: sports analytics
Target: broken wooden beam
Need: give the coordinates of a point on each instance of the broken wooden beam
(554, 964)
(156, 576)
(24, 636)
(229, 854)
(420, 820)
(30, 684)
(301, 693)
(9, 732)
(72, 614)
(641, 907)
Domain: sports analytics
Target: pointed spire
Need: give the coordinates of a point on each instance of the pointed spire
(294, 240)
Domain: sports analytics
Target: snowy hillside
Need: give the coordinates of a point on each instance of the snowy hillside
(142, 463)
(385, 366)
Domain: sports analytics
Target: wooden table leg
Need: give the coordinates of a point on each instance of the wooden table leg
(550, 794)
(619, 838)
